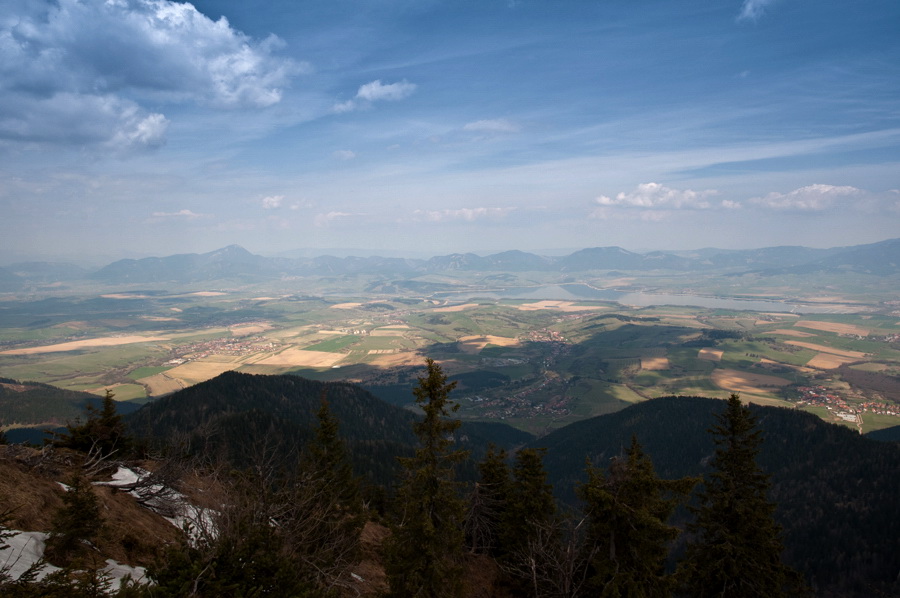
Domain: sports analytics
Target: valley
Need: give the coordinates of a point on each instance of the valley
(535, 349)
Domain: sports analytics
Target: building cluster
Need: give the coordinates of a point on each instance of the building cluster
(225, 346)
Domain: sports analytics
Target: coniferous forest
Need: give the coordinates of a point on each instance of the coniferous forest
(296, 483)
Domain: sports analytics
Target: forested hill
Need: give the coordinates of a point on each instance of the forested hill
(836, 491)
(33, 403)
(245, 414)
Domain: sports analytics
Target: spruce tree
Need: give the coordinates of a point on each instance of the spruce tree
(423, 556)
(78, 521)
(329, 462)
(628, 537)
(488, 503)
(736, 549)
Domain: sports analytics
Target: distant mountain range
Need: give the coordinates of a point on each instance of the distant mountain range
(236, 263)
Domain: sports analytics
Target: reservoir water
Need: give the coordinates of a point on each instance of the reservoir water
(582, 292)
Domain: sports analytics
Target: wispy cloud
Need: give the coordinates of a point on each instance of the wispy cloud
(752, 10)
(79, 72)
(812, 198)
(326, 219)
(466, 214)
(499, 125)
(344, 155)
(180, 215)
(376, 91)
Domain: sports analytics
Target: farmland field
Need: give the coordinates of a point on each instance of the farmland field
(536, 363)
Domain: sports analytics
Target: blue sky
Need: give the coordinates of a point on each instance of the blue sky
(148, 127)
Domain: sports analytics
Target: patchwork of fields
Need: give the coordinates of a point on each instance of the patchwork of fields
(537, 365)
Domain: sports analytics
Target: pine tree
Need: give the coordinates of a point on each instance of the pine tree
(424, 552)
(76, 522)
(628, 537)
(329, 462)
(736, 550)
(488, 503)
(101, 435)
(531, 536)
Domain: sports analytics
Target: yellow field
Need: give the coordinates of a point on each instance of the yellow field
(743, 382)
(796, 333)
(829, 361)
(823, 349)
(109, 341)
(207, 293)
(654, 363)
(345, 305)
(161, 384)
(300, 357)
(558, 306)
(249, 329)
(461, 307)
(200, 371)
(710, 354)
(474, 344)
(398, 359)
(833, 327)
(387, 332)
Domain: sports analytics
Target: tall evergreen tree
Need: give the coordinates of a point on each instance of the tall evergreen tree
(76, 522)
(329, 463)
(102, 434)
(488, 503)
(628, 537)
(736, 550)
(423, 556)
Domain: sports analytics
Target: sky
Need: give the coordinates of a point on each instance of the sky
(151, 127)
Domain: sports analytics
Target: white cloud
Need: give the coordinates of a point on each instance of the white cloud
(466, 214)
(102, 58)
(499, 125)
(272, 202)
(344, 155)
(376, 91)
(183, 214)
(656, 196)
(752, 10)
(812, 198)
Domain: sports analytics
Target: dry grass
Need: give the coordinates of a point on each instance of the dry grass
(200, 371)
(207, 293)
(110, 341)
(398, 359)
(250, 329)
(567, 306)
(161, 384)
(796, 333)
(345, 305)
(744, 382)
(833, 327)
(474, 344)
(823, 349)
(461, 307)
(828, 361)
(301, 357)
(710, 354)
(654, 363)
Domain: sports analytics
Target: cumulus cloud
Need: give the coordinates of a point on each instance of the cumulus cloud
(376, 91)
(752, 10)
(499, 125)
(656, 196)
(272, 202)
(812, 198)
(99, 59)
(465, 214)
